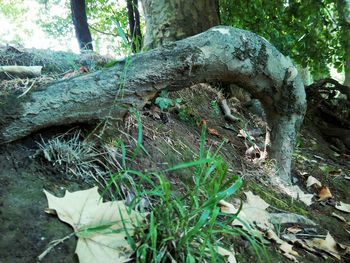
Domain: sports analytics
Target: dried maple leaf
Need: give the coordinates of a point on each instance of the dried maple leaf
(229, 255)
(328, 245)
(343, 207)
(312, 181)
(294, 229)
(287, 249)
(100, 226)
(324, 193)
(341, 218)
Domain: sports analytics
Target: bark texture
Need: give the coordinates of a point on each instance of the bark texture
(343, 7)
(219, 54)
(171, 20)
(81, 26)
(134, 25)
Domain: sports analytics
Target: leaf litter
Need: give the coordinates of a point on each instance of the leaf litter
(102, 228)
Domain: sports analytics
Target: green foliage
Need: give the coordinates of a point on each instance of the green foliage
(307, 31)
(108, 23)
(215, 106)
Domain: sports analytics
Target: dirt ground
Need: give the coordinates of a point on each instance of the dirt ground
(26, 230)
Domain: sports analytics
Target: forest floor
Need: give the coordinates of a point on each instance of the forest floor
(170, 137)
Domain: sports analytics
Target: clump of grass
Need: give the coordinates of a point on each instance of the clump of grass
(184, 224)
(69, 154)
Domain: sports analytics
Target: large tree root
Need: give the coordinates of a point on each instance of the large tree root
(222, 54)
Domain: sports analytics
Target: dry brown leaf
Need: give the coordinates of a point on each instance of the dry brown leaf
(70, 74)
(286, 248)
(227, 207)
(294, 191)
(213, 132)
(294, 229)
(328, 245)
(98, 225)
(343, 207)
(83, 69)
(253, 212)
(324, 193)
(335, 172)
(312, 181)
(341, 218)
(244, 134)
(203, 122)
(231, 256)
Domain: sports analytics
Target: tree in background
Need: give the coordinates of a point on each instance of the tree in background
(134, 25)
(168, 21)
(81, 26)
(343, 7)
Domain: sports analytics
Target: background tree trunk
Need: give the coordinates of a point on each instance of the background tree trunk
(220, 54)
(343, 7)
(171, 20)
(81, 26)
(134, 25)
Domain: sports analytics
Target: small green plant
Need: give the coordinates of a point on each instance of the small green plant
(164, 102)
(214, 105)
(184, 223)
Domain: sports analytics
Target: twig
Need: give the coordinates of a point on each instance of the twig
(53, 244)
(227, 111)
(28, 89)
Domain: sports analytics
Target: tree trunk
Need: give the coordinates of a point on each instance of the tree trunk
(171, 20)
(343, 7)
(81, 26)
(134, 25)
(219, 54)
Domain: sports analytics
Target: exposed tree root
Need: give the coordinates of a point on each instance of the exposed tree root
(222, 54)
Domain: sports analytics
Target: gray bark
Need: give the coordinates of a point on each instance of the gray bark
(219, 54)
(171, 20)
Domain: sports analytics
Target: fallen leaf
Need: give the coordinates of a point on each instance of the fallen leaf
(231, 256)
(328, 245)
(312, 181)
(286, 248)
(70, 74)
(244, 134)
(83, 69)
(343, 207)
(254, 212)
(295, 192)
(335, 172)
(294, 229)
(227, 207)
(100, 226)
(203, 122)
(341, 218)
(213, 132)
(324, 193)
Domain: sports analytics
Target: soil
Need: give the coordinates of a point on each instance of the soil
(169, 137)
